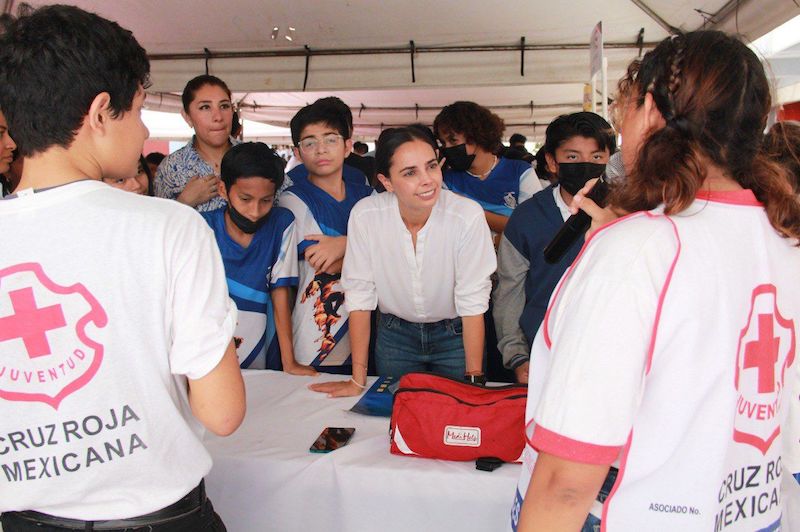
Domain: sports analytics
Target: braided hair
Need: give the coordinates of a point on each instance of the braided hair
(715, 111)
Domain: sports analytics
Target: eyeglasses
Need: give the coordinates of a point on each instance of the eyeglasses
(329, 141)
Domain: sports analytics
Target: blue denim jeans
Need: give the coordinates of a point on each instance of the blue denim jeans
(405, 347)
(592, 523)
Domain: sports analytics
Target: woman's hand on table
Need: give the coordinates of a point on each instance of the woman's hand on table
(300, 369)
(337, 388)
(600, 215)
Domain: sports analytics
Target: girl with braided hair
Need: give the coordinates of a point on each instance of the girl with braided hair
(664, 370)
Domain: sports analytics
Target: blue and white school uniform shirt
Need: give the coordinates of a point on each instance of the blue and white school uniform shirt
(350, 174)
(269, 262)
(319, 318)
(508, 184)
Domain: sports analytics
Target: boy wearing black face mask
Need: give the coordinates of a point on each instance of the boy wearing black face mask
(257, 241)
(577, 147)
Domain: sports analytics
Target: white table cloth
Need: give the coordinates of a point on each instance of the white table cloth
(265, 478)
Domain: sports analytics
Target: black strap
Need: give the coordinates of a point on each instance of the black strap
(188, 504)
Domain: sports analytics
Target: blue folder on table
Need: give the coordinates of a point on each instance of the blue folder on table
(377, 401)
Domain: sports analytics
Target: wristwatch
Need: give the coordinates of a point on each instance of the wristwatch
(480, 380)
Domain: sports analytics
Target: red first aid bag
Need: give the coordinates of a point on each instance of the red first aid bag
(441, 417)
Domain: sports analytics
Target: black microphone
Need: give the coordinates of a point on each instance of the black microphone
(577, 224)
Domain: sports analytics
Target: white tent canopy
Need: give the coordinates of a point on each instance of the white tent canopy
(361, 50)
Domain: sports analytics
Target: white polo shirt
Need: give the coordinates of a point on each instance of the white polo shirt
(446, 276)
(669, 348)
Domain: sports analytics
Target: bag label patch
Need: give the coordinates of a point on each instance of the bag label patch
(462, 436)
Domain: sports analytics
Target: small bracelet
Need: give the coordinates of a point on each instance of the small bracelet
(362, 386)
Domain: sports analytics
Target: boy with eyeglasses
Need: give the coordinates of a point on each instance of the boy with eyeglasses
(353, 170)
(321, 206)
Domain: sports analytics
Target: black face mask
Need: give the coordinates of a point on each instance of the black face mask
(573, 176)
(457, 157)
(245, 224)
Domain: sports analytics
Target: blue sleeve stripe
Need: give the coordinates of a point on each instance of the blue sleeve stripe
(285, 281)
(502, 210)
(245, 292)
(302, 246)
(326, 230)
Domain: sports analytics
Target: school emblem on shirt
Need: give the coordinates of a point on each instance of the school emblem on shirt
(46, 352)
(766, 349)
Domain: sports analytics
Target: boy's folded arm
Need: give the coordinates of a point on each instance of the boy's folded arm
(326, 252)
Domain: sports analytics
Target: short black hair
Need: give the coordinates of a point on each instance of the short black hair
(198, 82)
(517, 138)
(542, 172)
(154, 157)
(343, 108)
(54, 62)
(148, 173)
(252, 159)
(330, 111)
(360, 147)
(581, 124)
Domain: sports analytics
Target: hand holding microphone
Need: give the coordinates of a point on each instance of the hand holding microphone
(577, 224)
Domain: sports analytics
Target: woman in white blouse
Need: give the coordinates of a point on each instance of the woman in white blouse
(422, 256)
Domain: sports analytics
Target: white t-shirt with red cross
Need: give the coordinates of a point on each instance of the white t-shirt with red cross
(669, 350)
(109, 301)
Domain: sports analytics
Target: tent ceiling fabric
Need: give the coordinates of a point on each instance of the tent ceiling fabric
(553, 80)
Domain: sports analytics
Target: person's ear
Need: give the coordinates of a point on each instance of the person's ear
(187, 118)
(221, 190)
(653, 119)
(552, 165)
(348, 147)
(386, 182)
(99, 113)
(296, 151)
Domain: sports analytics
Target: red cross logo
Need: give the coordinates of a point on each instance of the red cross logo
(31, 323)
(767, 345)
(56, 324)
(762, 354)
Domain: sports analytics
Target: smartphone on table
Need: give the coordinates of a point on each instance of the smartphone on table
(331, 439)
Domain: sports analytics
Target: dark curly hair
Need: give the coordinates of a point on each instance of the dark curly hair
(712, 92)
(478, 124)
(782, 144)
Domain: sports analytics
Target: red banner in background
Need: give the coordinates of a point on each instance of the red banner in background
(789, 111)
